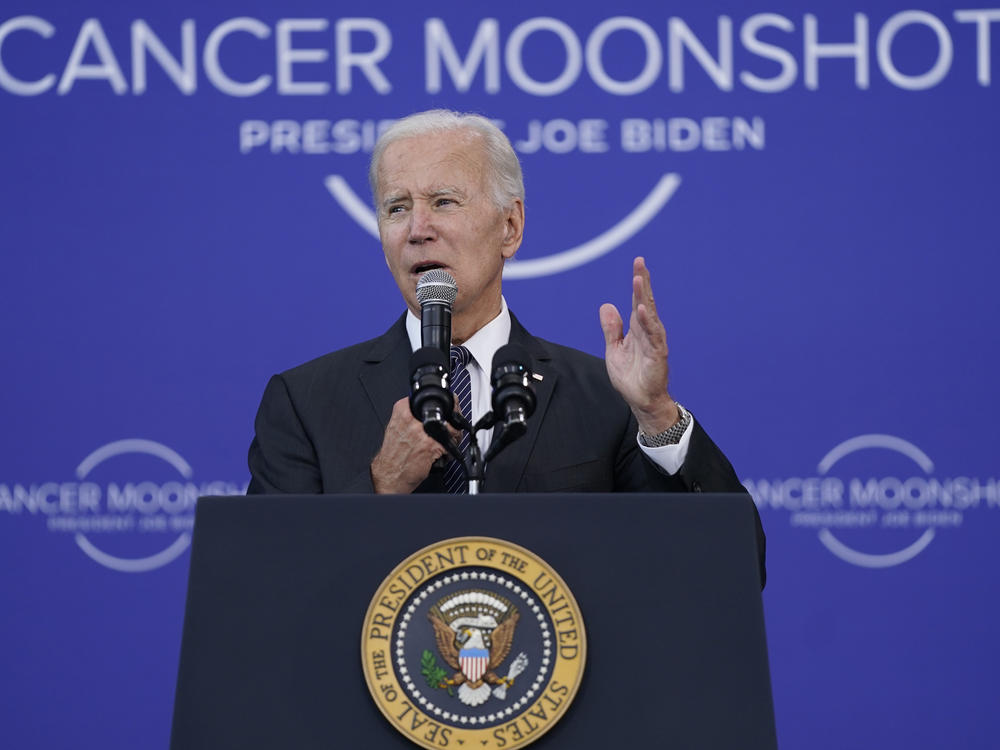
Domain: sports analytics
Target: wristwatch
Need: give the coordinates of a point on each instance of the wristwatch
(670, 436)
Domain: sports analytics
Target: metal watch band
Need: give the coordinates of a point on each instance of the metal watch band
(670, 436)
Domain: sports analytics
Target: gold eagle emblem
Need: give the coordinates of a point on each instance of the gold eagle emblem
(474, 631)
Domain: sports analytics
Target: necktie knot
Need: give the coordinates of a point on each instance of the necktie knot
(460, 356)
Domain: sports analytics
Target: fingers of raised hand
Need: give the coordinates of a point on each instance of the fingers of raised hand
(652, 328)
(642, 286)
(611, 324)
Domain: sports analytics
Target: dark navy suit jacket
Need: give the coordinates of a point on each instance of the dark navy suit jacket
(320, 425)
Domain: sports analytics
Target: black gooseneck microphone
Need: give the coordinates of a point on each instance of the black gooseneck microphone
(436, 292)
(431, 401)
(513, 395)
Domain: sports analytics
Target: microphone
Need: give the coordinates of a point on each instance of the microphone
(436, 292)
(430, 398)
(513, 395)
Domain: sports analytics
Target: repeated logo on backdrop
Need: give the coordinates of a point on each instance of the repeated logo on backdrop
(130, 506)
(343, 56)
(876, 501)
(621, 56)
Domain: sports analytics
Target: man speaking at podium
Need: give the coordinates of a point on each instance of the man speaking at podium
(449, 195)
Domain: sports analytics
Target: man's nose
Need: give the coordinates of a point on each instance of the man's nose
(421, 224)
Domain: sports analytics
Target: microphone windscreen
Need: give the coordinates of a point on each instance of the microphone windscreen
(511, 354)
(437, 285)
(428, 355)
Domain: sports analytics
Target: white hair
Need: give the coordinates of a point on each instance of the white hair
(505, 179)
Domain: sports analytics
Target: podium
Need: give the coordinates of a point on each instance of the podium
(668, 587)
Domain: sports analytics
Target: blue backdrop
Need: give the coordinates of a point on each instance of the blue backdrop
(184, 213)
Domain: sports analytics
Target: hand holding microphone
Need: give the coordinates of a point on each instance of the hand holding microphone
(418, 433)
(431, 401)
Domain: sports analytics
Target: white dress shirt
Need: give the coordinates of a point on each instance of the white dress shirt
(483, 344)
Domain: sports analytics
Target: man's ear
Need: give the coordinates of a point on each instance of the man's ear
(513, 228)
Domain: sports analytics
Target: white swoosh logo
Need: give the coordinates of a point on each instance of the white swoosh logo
(863, 442)
(554, 263)
(118, 448)
(865, 560)
(132, 565)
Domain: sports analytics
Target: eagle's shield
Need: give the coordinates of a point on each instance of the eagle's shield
(474, 662)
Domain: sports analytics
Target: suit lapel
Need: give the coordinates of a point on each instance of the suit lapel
(385, 378)
(505, 471)
(383, 370)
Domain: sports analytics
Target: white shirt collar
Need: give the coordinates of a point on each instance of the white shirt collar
(482, 345)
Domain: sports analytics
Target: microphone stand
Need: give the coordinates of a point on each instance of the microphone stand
(431, 401)
(473, 464)
(475, 471)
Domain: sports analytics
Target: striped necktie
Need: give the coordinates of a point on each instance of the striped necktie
(461, 385)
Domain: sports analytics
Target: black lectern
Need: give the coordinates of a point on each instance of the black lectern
(668, 587)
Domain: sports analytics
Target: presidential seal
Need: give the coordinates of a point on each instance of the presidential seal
(473, 642)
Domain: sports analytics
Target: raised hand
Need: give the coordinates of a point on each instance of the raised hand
(637, 361)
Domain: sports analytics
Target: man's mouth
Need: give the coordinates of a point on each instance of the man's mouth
(420, 268)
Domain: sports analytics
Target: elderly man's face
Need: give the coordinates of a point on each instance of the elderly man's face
(435, 210)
